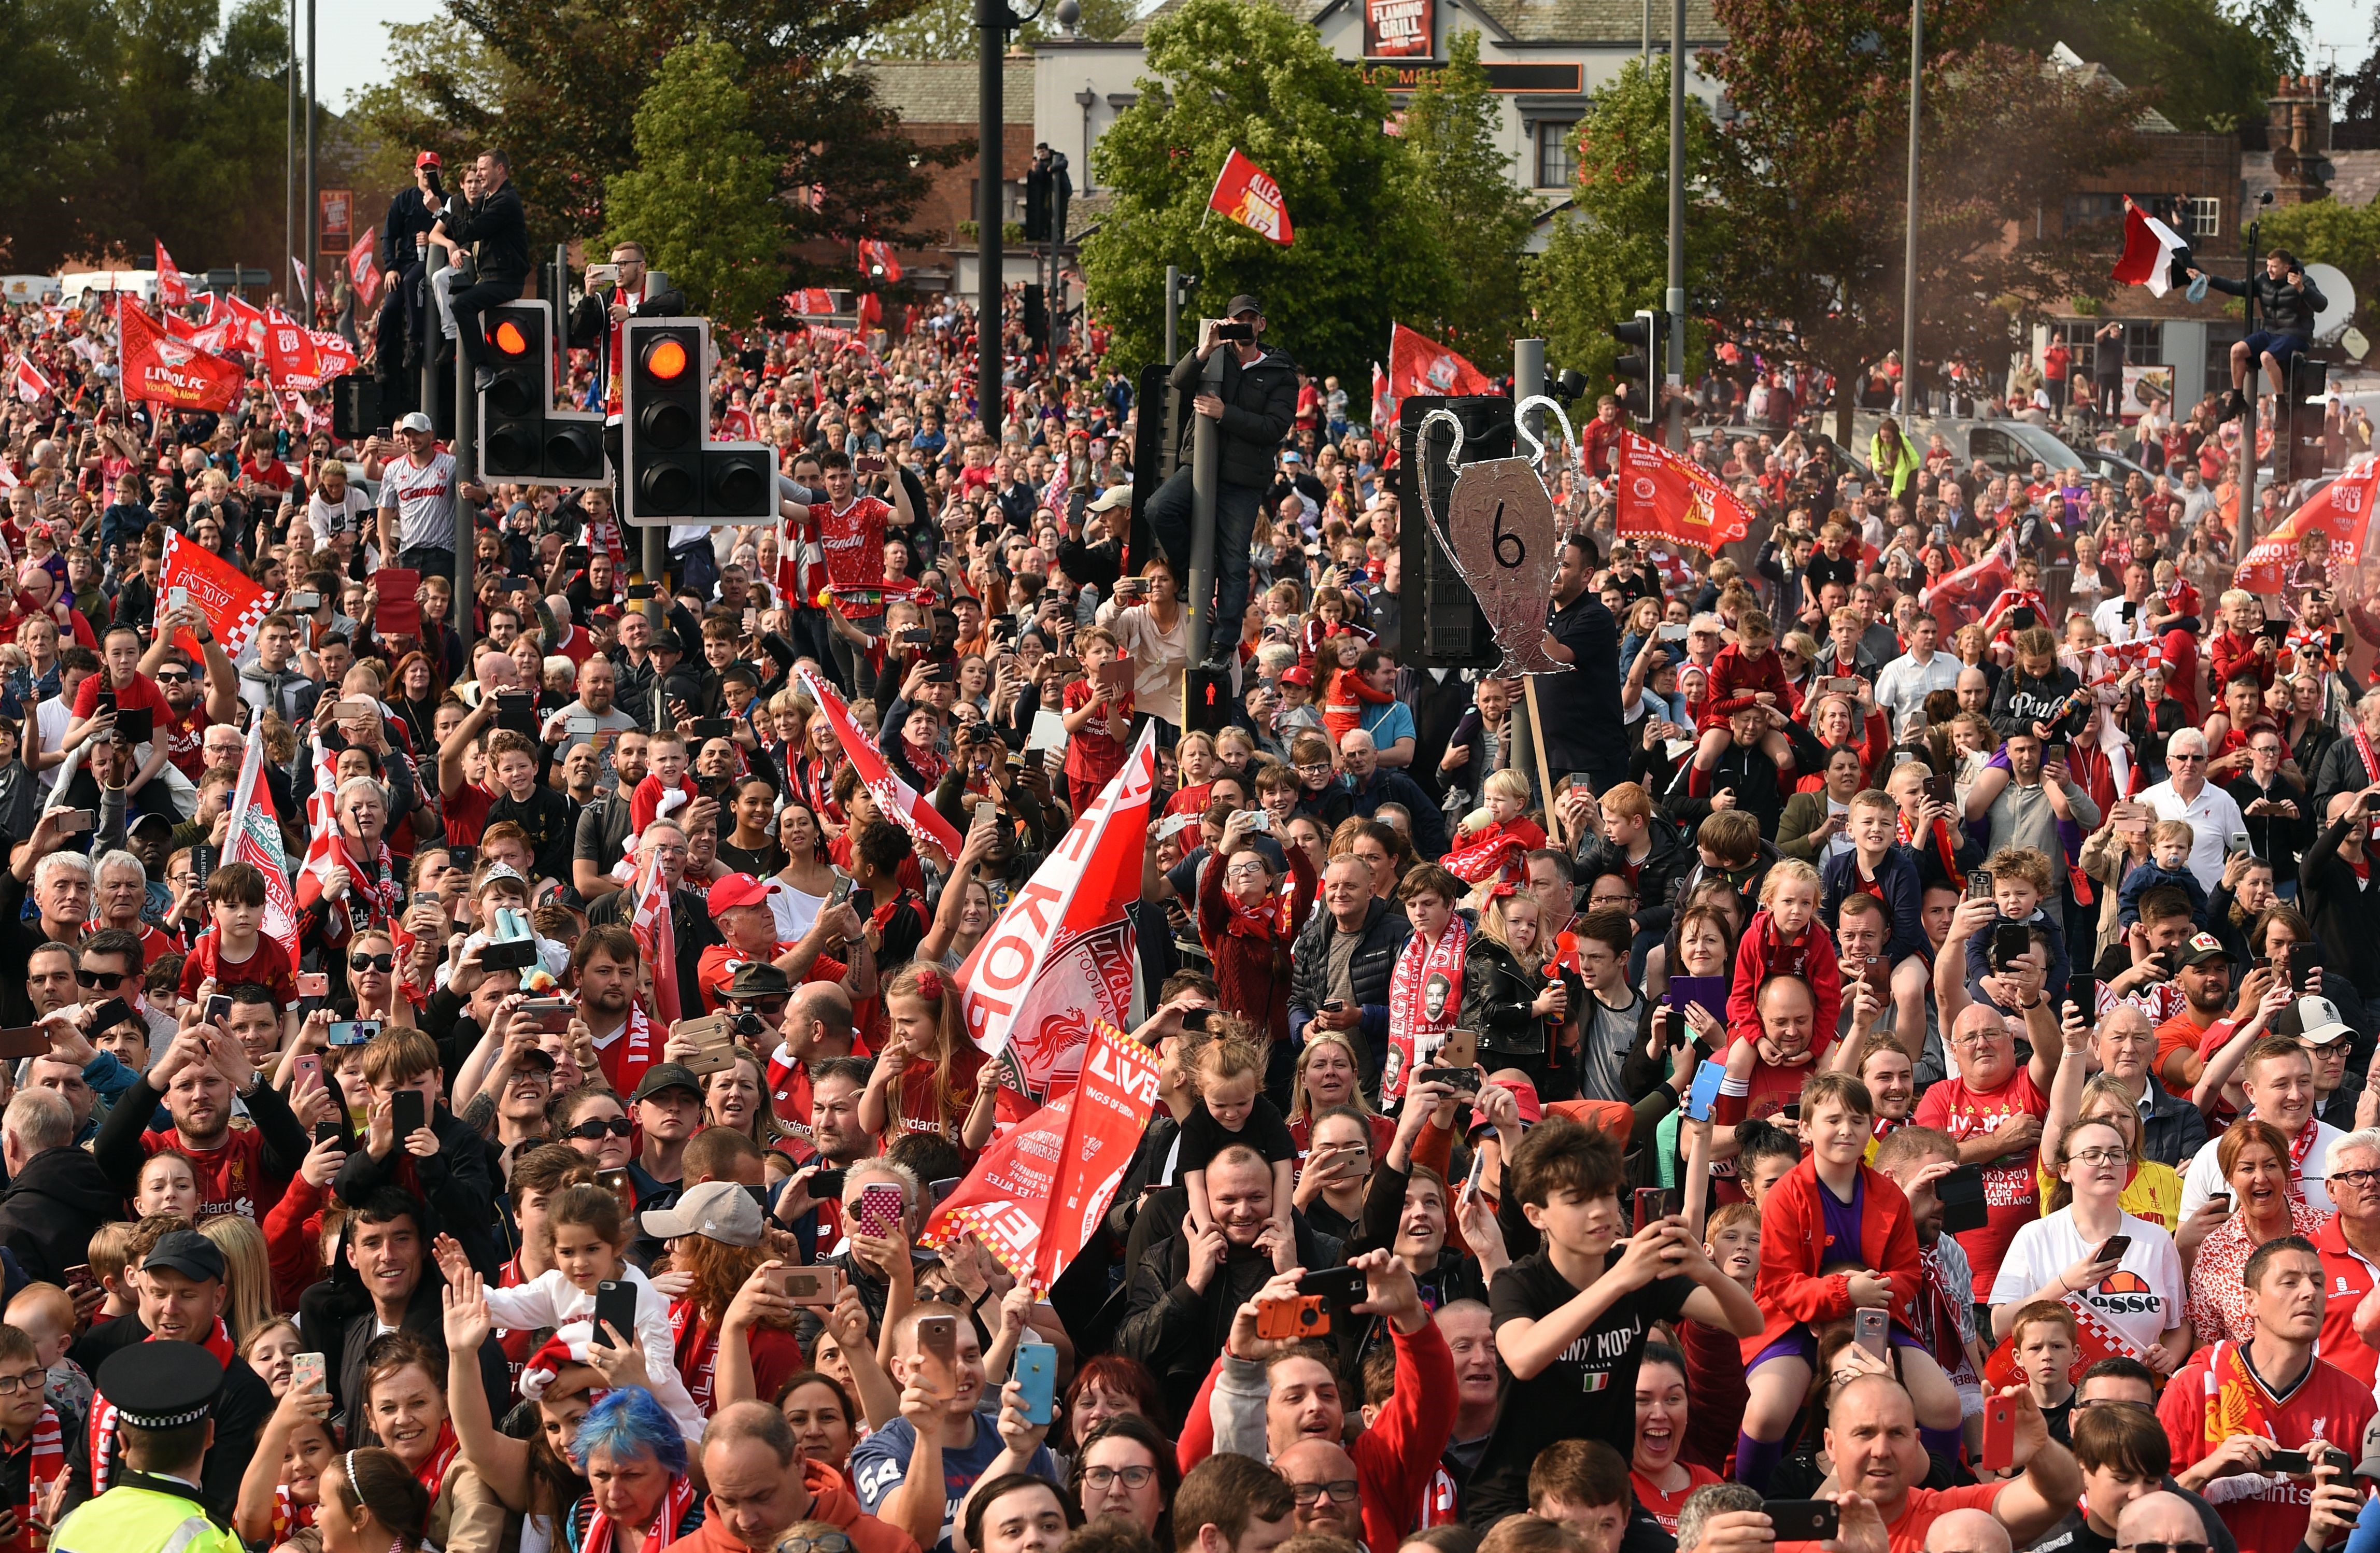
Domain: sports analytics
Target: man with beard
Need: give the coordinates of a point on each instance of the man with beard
(241, 1170)
(664, 842)
(604, 826)
(180, 1288)
(2203, 974)
(2278, 1079)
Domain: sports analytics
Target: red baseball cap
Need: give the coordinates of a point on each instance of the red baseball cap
(1299, 675)
(738, 890)
(429, 158)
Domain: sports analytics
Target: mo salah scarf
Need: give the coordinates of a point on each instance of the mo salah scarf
(1414, 1035)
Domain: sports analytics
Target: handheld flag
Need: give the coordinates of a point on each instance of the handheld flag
(2155, 255)
(363, 269)
(256, 841)
(163, 371)
(173, 289)
(27, 380)
(1665, 493)
(2338, 513)
(232, 601)
(1246, 193)
(901, 803)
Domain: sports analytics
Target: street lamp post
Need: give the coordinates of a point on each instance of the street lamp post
(1674, 421)
(1909, 262)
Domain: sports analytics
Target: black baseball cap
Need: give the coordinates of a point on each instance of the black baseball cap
(1244, 303)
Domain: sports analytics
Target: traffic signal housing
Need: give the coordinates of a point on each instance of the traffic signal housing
(672, 472)
(1639, 365)
(523, 439)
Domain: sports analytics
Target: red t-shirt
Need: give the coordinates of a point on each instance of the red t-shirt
(231, 1175)
(1664, 1507)
(186, 738)
(853, 543)
(1906, 1532)
(268, 968)
(1093, 754)
(2347, 1278)
(142, 692)
(466, 815)
(2328, 1405)
(776, 1355)
(2010, 1193)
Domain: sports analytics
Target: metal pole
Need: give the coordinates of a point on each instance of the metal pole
(1674, 423)
(1644, 51)
(1206, 479)
(289, 191)
(1909, 400)
(433, 259)
(1172, 312)
(465, 448)
(2247, 523)
(305, 308)
(991, 20)
(1528, 379)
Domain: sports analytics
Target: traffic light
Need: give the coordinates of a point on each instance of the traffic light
(1639, 367)
(523, 439)
(673, 472)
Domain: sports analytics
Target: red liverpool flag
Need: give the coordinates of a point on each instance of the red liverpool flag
(1663, 493)
(1246, 193)
(1037, 1194)
(1419, 364)
(363, 269)
(160, 370)
(27, 380)
(173, 291)
(1061, 956)
(902, 804)
(256, 841)
(2339, 513)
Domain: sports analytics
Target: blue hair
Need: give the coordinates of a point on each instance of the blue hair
(630, 1423)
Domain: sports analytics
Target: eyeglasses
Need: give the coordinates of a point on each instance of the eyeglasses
(370, 962)
(2098, 1156)
(35, 1379)
(618, 1127)
(831, 1542)
(1105, 1477)
(1343, 1490)
(1318, 769)
(2362, 1181)
(106, 981)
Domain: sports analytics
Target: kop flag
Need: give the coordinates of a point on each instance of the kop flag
(256, 840)
(363, 269)
(900, 802)
(2339, 513)
(1036, 1195)
(173, 291)
(233, 604)
(1246, 193)
(163, 371)
(1666, 495)
(2155, 254)
(27, 380)
(1060, 957)
(243, 323)
(1419, 364)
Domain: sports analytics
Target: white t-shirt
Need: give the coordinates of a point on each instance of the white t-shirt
(52, 718)
(422, 496)
(795, 910)
(2204, 1176)
(2214, 817)
(2048, 1247)
(346, 517)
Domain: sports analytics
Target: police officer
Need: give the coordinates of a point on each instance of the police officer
(164, 1395)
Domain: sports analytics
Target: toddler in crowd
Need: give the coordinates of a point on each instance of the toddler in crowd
(44, 1313)
(1784, 940)
(1229, 1072)
(2169, 845)
(2020, 882)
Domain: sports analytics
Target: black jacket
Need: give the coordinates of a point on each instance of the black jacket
(1385, 931)
(1496, 994)
(1259, 403)
(52, 1207)
(2343, 910)
(407, 217)
(496, 230)
(2021, 702)
(457, 1185)
(1177, 1331)
(2281, 307)
(589, 315)
(337, 1319)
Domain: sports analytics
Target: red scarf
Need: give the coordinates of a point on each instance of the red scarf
(2300, 1147)
(1414, 1037)
(102, 1412)
(1497, 849)
(431, 1473)
(289, 1515)
(676, 1505)
(49, 1463)
(696, 1347)
(2234, 1398)
(1939, 834)
(626, 1057)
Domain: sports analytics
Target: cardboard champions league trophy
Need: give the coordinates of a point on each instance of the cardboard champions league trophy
(1500, 534)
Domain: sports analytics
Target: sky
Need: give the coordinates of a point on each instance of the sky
(352, 55)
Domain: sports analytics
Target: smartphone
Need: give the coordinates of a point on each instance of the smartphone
(2023, 618)
(826, 1186)
(1671, 631)
(27, 1040)
(304, 604)
(1294, 1318)
(1037, 1374)
(1710, 991)
(938, 1343)
(1999, 1435)
(1118, 674)
(303, 1064)
(133, 725)
(2082, 991)
(1705, 1093)
(354, 1032)
(815, 1287)
(80, 1276)
(1466, 1080)
(2300, 965)
(714, 727)
(1941, 790)
(615, 1306)
(615, 1182)
(110, 1014)
(313, 984)
(867, 464)
(1345, 1284)
(1334, 1005)
(1461, 1050)
(1803, 1520)
(2131, 612)
(2113, 1251)
(177, 598)
(1194, 1018)
(328, 1131)
(73, 822)
(1654, 1204)
(1979, 885)
(1962, 1193)
(309, 1373)
(2009, 940)
(1870, 1328)
(880, 1208)
(219, 1009)
(203, 858)
(409, 1110)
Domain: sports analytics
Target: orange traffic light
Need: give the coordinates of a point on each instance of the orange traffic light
(510, 340)
(666, 360)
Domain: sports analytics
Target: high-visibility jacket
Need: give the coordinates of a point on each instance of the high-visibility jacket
(129, 1519)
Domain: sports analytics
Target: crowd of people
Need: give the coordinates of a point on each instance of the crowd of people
(1881, 1064)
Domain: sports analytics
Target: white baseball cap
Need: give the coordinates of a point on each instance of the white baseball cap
(417, 421)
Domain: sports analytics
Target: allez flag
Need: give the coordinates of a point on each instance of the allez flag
(1060, 957)
(900, 802)
(233, 604)
(1037, 1194)
(173, 291)
(256, 840)
(2340, 512)
(27, 380)
(163, 371)
(2149, 252)
(1666, 495)
(1246, 193)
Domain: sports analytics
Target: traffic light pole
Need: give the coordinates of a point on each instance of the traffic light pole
(991, 20)
(1674, 423)
(466, 471)
(1206, 475)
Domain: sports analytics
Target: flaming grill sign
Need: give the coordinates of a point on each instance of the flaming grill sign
(1398, 29)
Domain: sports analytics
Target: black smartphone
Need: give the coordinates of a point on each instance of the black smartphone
(2082, 991)
(135, 724)
(2131, 612)
(1803, 1520)
(1961, 1193)
(517, 711)
(1194, 1018)
(1335, 1283)
(1465, 1079)
(328, 1131)
(2009, 940)
(2298, 966)
(2023, 618)
(218, 1009)
(1654, 1204)
(714, 727)
(1939, 790)
(464, 857)
(615, 1306)
(2288, 1464)
(2114, 1249)
(409, 1110)
(826, 1185)
(110, 1014)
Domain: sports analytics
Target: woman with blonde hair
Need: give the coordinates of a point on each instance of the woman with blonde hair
(1329, 1072)
(1525, 1006)
(247, 1273)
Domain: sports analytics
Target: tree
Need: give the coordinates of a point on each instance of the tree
(1814, 180)
(1451, 124)
(415, 50)
(1223, 74)
(841, 169)
(1610, 256)
(698, 198)
(2205, 65)
(2327, 232)
(946, 29)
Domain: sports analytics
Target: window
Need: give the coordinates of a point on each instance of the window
(2090, 210)
(1012, 199)
(2204, 216)
(1556, 167)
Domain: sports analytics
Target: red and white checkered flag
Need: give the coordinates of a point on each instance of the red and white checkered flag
(233, 604)
(27, 380)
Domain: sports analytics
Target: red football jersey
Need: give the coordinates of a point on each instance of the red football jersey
(2328, 1404)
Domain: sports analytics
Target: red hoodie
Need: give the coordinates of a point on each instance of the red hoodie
(1793, 1247)
(1763, 953)
(832, 1501)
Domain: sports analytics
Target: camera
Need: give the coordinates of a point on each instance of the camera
(1306, 1316)
(1239, 332)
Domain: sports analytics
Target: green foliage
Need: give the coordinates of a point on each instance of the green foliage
(2330, 233)
(698, 198)
(2203, 63)
(121, 120)
(1610, 255)
(396, 103)
(946, 29)
(552, 83)
(1466, 180)
(1222, 73)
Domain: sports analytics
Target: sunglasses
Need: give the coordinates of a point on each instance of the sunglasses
(370, 962)
(106, 981)
(618, 1127)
